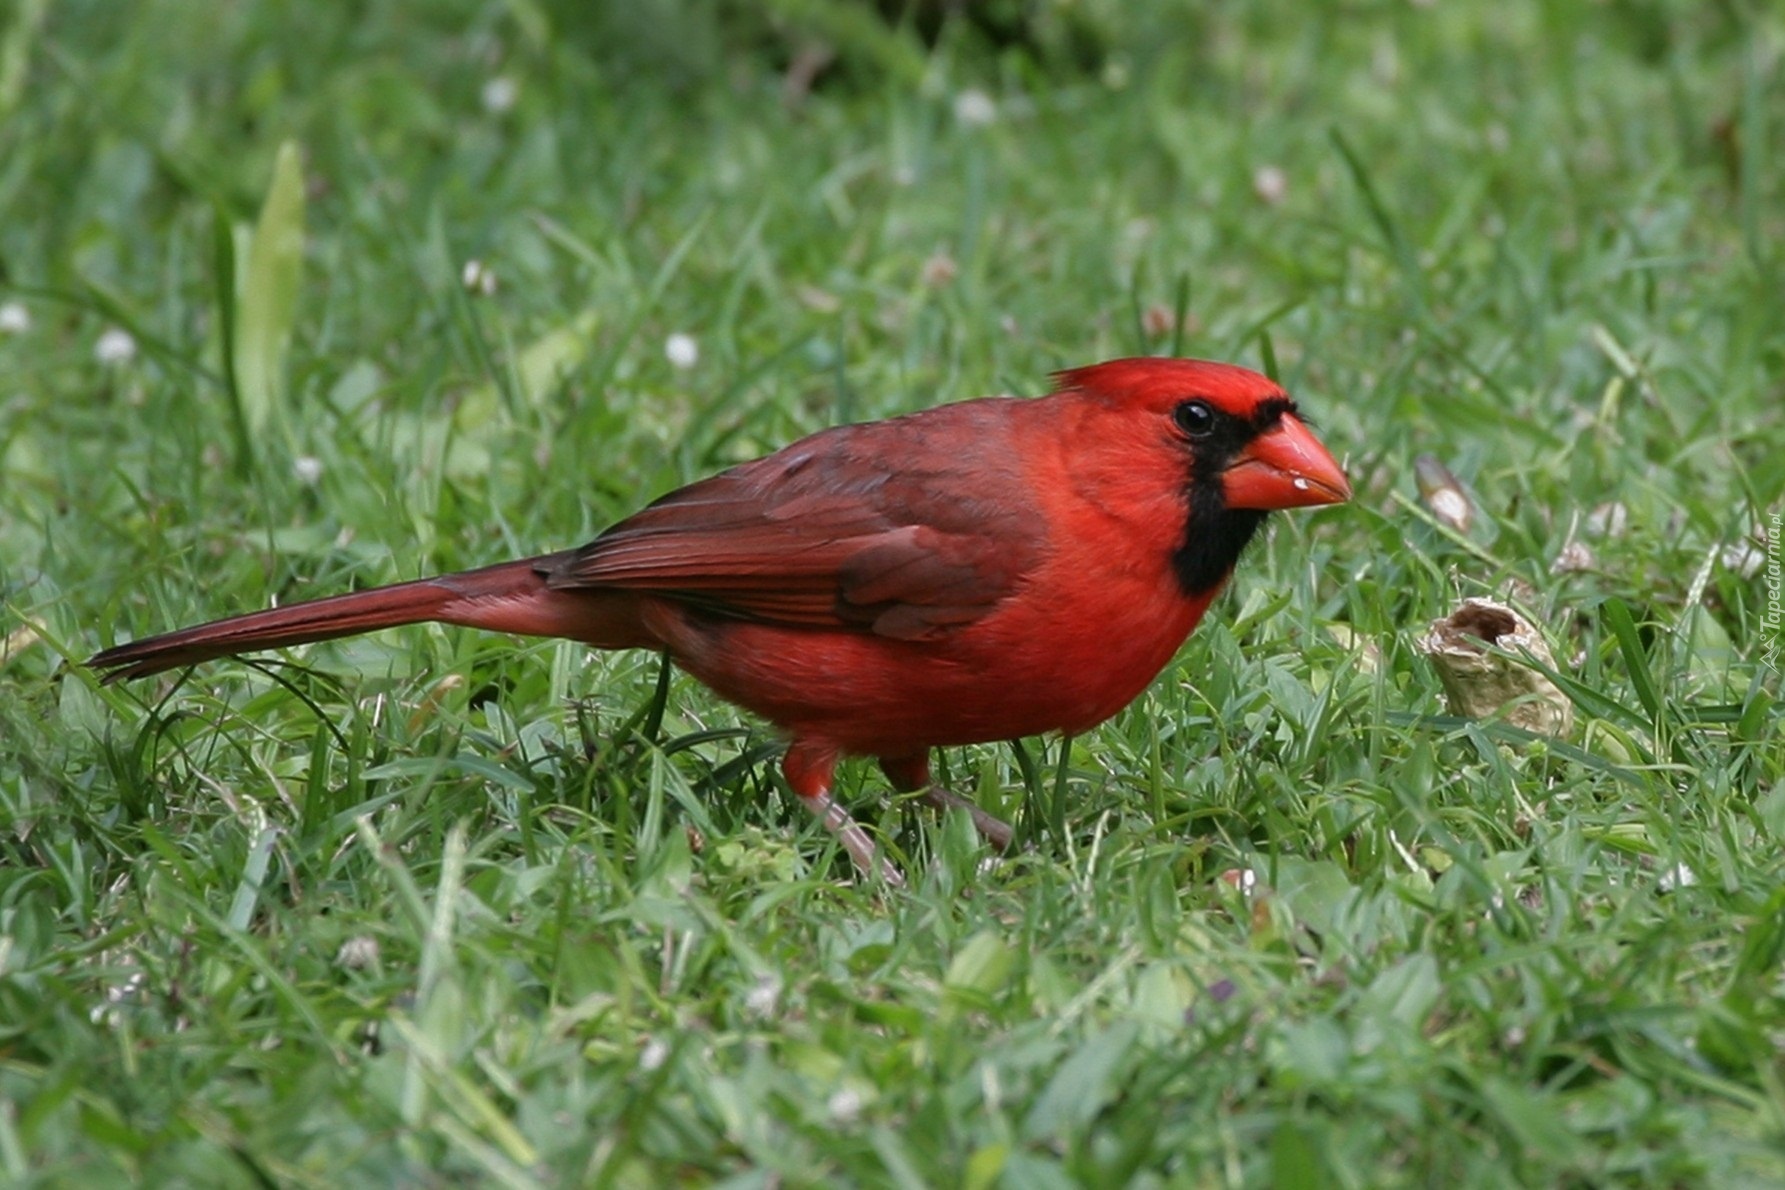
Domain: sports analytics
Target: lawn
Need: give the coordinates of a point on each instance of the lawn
(299, 298)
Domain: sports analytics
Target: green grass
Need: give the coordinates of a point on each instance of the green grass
(370, 913)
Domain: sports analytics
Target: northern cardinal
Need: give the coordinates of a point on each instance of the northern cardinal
(974, 572)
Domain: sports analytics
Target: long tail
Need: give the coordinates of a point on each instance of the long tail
(508, 597)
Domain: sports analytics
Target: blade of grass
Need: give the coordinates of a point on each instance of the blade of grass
(267, 293)
(223, 269)
(1636, 659)
(1399, 246)
(254, 874)
(1180, 310)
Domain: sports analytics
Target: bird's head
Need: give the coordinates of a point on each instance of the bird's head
(1227, 442)
(1228, 421)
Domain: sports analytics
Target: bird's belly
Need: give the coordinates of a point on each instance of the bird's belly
(1016, 673)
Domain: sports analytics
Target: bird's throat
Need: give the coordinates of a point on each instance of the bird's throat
(1214, 538)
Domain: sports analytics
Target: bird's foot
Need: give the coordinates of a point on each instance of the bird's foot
(912, 772)
(854, 839)
(992, 829)
(809, 767)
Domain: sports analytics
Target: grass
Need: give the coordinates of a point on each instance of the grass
(434, 908)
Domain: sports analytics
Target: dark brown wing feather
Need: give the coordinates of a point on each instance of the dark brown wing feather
(905, 528)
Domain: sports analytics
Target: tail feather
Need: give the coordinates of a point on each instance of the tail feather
(509, 597)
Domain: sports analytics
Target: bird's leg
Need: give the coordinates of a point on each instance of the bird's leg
(809, 769)
(909, 773)
(991, 828)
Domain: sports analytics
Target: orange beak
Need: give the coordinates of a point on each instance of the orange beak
(1284, 467)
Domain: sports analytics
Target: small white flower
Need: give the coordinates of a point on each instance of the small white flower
(974, 108)
(14, 318)
(130, 989)
(1678, 876)
(845, 1105)
(499, 94)
(1244, 879)
(654, 1055)
(1385, 63)
(681, 351)
(1574, 558)
(939, 270)
(1608, 520)
(761, 999)
(357, 953)
(1270, 184)
(308, 469)
(1743, 558)
(478, 278)
(115, 346)
(822, 301)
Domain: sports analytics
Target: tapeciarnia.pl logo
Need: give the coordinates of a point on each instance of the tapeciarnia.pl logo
(1772, 620)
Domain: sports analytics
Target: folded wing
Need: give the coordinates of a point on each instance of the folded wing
(908, 529)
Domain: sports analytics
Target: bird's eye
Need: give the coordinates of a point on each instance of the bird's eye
(1195, 418)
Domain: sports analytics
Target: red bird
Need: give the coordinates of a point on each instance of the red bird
(974, 572)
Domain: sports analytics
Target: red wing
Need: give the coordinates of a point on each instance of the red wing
(905, 528)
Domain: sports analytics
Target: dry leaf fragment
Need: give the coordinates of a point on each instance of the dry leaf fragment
(20, 639)
(1574, 558)
(1482, 681)
(1443, 494)
(1369, 657)
(1608, 520)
